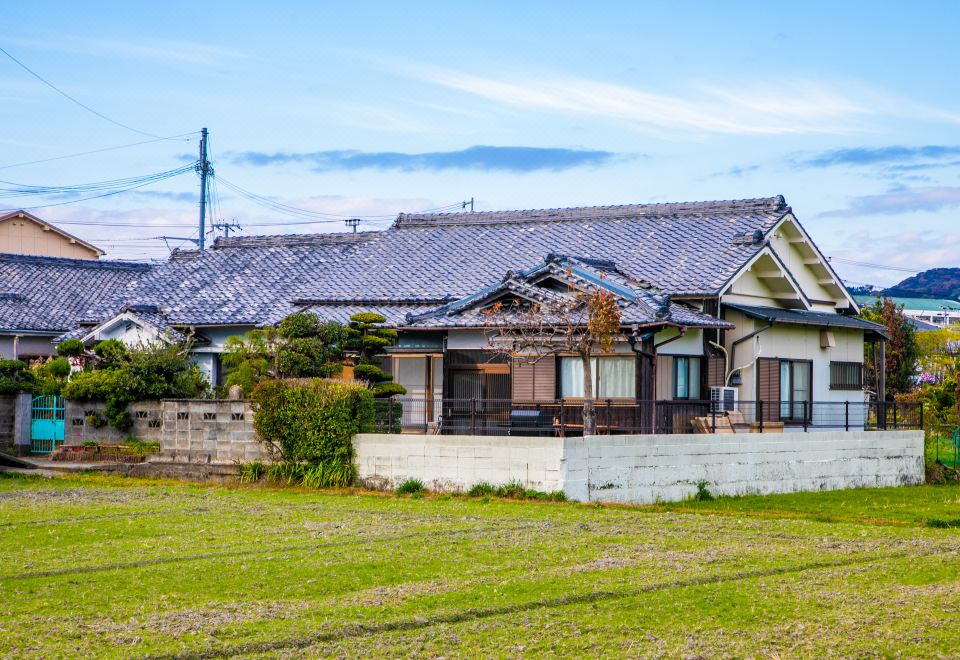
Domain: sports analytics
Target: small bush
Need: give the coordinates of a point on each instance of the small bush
(941, 523)
(410, 487)
(250, 472)
(15, 377)
(481, 489)
(514, 490)
(312, 422)
(70, 348)
(703, 493)
(333, 475)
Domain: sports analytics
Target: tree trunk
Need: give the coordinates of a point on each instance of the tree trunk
(589, 412)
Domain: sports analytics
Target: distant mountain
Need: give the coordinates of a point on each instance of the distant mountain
(933, 283)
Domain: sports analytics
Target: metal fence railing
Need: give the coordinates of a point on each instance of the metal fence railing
(565, 418)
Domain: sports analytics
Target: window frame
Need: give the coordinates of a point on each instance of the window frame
(840, 384)
(595, 372)
(690, 380)
(792, 402)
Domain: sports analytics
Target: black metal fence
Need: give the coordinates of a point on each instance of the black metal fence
(618, 417)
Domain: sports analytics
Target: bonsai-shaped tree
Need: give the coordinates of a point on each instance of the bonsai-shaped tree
(367, 339)
(310, 349)
(299, 347)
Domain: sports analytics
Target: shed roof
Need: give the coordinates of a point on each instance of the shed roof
(805, 317)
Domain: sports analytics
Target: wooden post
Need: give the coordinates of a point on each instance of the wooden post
(882, 371)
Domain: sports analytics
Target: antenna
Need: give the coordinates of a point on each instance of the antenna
(352, 222)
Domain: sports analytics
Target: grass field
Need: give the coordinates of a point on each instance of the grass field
(113, 567)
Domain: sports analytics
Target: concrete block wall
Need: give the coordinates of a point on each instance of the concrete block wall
(209, 431)
(145, 416)
(457, 462)
(8, 420)
(643, 469)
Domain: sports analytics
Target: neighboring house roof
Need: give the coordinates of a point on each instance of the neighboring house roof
(51, 295)
(805, 317)
(11, 215)
(922, 326)
(914, 304)
(639, 302)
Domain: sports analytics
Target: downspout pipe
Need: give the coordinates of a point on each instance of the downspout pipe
(733, 347)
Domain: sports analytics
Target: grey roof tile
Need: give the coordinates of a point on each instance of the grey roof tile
(690, 248)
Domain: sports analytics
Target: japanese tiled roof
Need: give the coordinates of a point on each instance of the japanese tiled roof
(54, 294)
(638, 301)
(425, 259)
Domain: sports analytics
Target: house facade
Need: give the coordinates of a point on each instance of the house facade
(21, 232)
(727, 299)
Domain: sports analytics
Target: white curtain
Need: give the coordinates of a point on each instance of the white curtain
(617, 376)
(571, 377)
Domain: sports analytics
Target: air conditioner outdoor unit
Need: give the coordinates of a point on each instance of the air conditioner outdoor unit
(723, 399)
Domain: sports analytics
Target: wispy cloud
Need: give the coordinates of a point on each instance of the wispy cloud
(504, 159)
(734, 109)
(183, 52)
(899, 201)
(894, 155)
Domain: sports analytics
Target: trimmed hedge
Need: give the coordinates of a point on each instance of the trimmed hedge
(312, 421)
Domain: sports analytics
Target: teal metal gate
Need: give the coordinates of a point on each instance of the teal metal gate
(46, 424)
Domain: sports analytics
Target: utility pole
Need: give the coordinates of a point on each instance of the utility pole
(352, 222)
(226, 227)
(204, 169)
(463, 205)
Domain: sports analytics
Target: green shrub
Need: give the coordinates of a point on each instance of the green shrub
(96, 420)
(143, 373)
(329, 475)
(249, 472)
(15, 377)
(312, 422)
(409, 487)
(70, 348)
(703, 493)
(481, 489)
(514, 490)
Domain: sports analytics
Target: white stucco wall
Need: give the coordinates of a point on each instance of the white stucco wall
(457, 462)
(793, 342)
(642, 469)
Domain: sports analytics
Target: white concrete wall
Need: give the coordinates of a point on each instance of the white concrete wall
(457, 462)
(646, 468)
(643, 469)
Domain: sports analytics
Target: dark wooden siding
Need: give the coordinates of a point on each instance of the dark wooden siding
(715, 375)
(768, 387)
(534, 381)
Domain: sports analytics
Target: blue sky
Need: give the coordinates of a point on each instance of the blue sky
(847, 109)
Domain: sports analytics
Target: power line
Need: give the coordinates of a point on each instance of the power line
(865, 264)
(138, 183)
(96, 151)
(70, 98)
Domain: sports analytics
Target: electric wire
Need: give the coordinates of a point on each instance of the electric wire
(866, 264)
(97, 151)
(70, 98)
(118, 188)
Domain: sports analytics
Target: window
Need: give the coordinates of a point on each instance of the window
(846, 376)
(613, 377)
(686, 377)
(794, 389)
